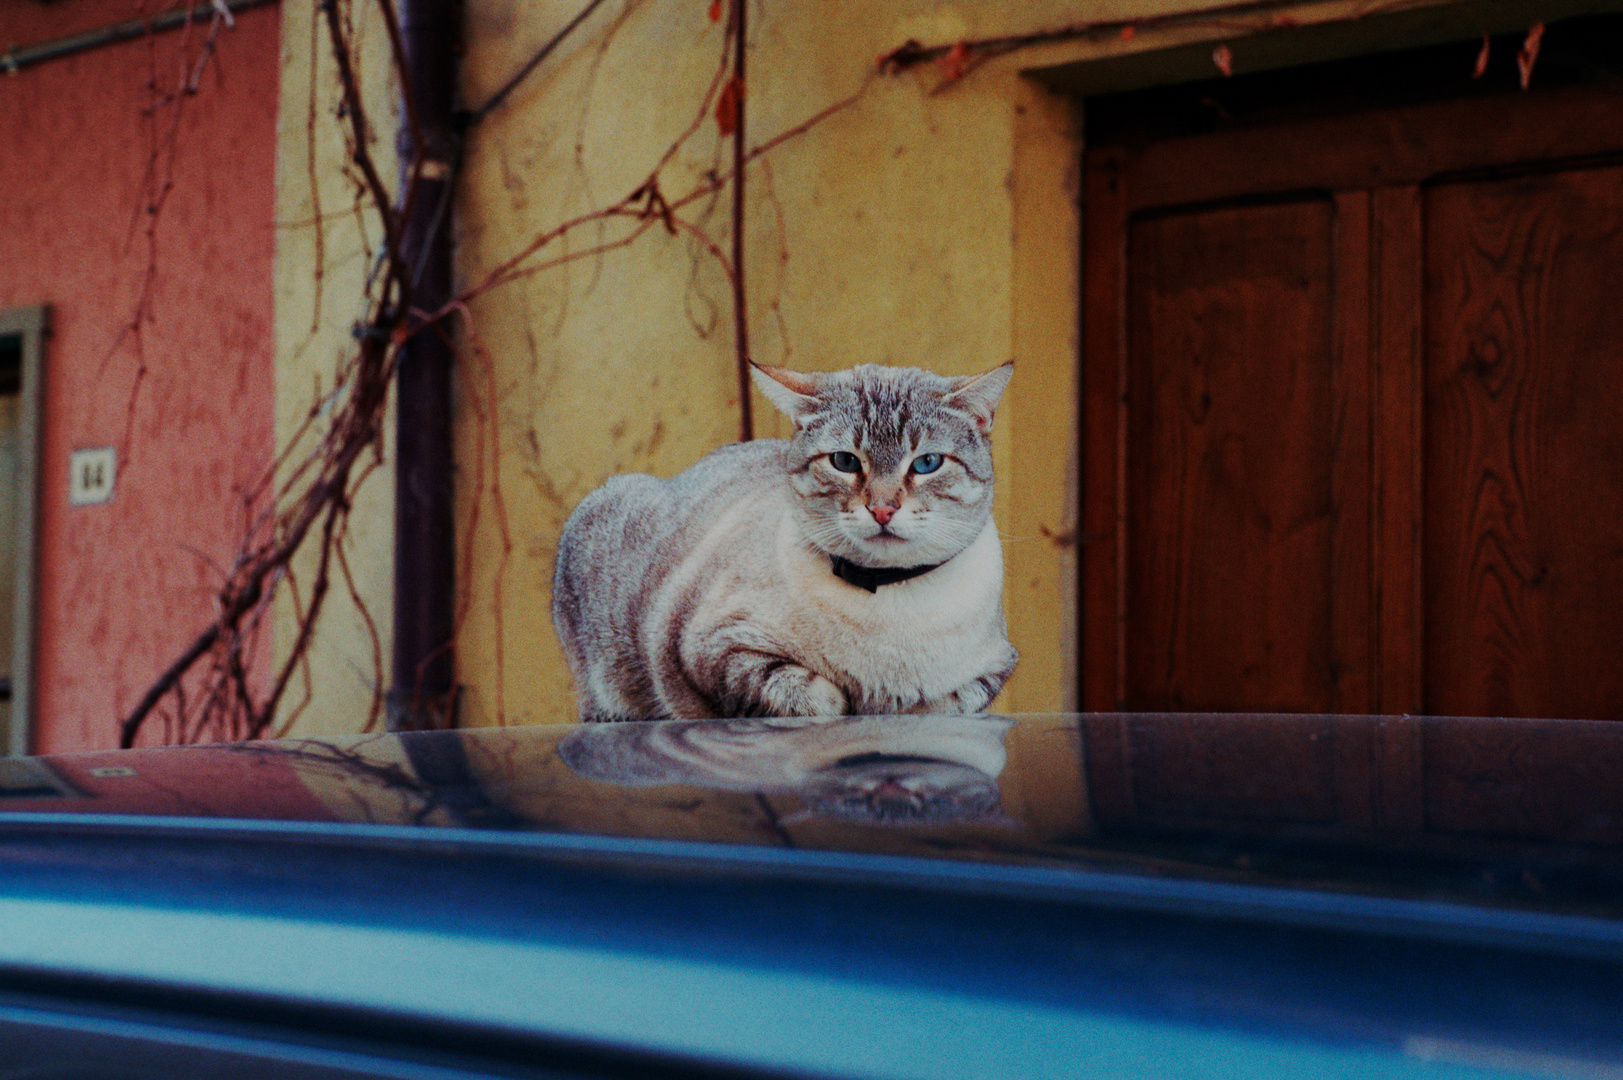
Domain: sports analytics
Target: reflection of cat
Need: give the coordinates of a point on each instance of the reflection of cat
(852, 569)
(874, 769)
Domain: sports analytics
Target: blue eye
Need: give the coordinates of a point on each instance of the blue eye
(927, 463)
(845, 462)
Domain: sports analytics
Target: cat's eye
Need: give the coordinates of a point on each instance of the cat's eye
(927, 463)
(845, 462)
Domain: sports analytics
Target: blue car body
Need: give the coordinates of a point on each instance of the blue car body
(494, 904)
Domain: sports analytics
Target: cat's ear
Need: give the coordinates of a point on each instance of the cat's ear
(978, 394)
(790, 391)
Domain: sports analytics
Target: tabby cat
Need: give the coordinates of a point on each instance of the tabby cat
(851, 569)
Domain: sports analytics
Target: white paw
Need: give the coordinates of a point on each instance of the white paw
(823, 698)
(794, 691)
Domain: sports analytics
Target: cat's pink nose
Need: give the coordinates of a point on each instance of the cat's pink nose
(882, 512)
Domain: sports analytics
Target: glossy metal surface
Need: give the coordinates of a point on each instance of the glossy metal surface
(1492, 812)
(1041, 896)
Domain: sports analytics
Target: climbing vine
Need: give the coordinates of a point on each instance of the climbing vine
(344, 427)
(208, 691)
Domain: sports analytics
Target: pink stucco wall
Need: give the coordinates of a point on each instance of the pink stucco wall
(187, 402)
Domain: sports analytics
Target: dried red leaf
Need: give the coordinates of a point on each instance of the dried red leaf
(1529, 54)
(728, 106)
(1481, 60)
(715, 10)
(955, 61)
(1224, 59)
(1129, 32)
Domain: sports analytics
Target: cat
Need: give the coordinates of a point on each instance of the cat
(892, 770)
(853, 568)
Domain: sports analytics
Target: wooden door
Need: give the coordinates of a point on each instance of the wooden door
(1353, 414)
(1523, 445)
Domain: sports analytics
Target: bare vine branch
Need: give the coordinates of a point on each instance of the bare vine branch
(313, 501)
(746, 419)
(228, 709)
(495, 100)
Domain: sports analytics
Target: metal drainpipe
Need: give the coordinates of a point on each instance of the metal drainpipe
(422, 692)
(15, 59)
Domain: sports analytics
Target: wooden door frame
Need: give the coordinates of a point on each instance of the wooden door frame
(32, 325)
(1375, 163)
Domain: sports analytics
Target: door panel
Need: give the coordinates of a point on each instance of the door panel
(1229, 458)
(1524, 446)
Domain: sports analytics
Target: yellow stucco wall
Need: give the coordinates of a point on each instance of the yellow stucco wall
(923, 224)
(883, 234)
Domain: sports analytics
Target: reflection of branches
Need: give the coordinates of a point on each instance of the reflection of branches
(360, 775)
(435, 779)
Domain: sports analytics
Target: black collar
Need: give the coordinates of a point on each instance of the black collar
(871, 578)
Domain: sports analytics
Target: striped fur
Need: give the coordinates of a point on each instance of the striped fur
(712, 594)
(902, 770)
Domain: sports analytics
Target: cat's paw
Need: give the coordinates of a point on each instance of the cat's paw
(972, 697)
(795, 691)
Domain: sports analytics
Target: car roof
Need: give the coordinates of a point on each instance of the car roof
(1519, 814)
